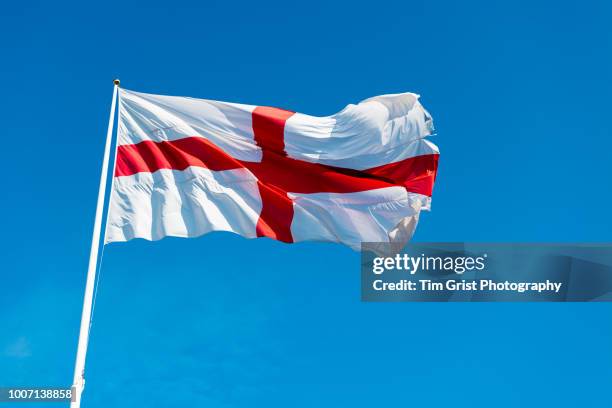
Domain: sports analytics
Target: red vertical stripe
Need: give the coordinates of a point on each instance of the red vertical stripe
(269, 129)
(277, 208)
(276, 214)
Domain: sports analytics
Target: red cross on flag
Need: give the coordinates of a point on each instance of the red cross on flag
(186, 166)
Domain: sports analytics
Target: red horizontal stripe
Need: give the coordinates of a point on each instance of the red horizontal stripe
(416, 174)
(178, 154)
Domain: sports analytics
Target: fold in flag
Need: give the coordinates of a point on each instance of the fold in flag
(186, 166)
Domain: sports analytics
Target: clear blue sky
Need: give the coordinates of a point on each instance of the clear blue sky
(520, 94)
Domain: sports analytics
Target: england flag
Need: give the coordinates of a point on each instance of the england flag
(185, 167)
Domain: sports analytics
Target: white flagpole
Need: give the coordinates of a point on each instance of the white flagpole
(79, 367)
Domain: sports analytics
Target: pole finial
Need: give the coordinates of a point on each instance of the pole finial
(117, 82)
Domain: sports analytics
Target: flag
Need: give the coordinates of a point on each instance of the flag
(185, 167)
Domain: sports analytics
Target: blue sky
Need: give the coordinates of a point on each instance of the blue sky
(520, 94)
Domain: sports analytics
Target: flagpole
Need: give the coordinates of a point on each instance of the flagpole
(79, 366)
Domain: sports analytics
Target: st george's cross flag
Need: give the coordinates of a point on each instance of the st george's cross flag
(185, 167)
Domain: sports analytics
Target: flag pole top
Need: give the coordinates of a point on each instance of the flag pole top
(117, 82)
